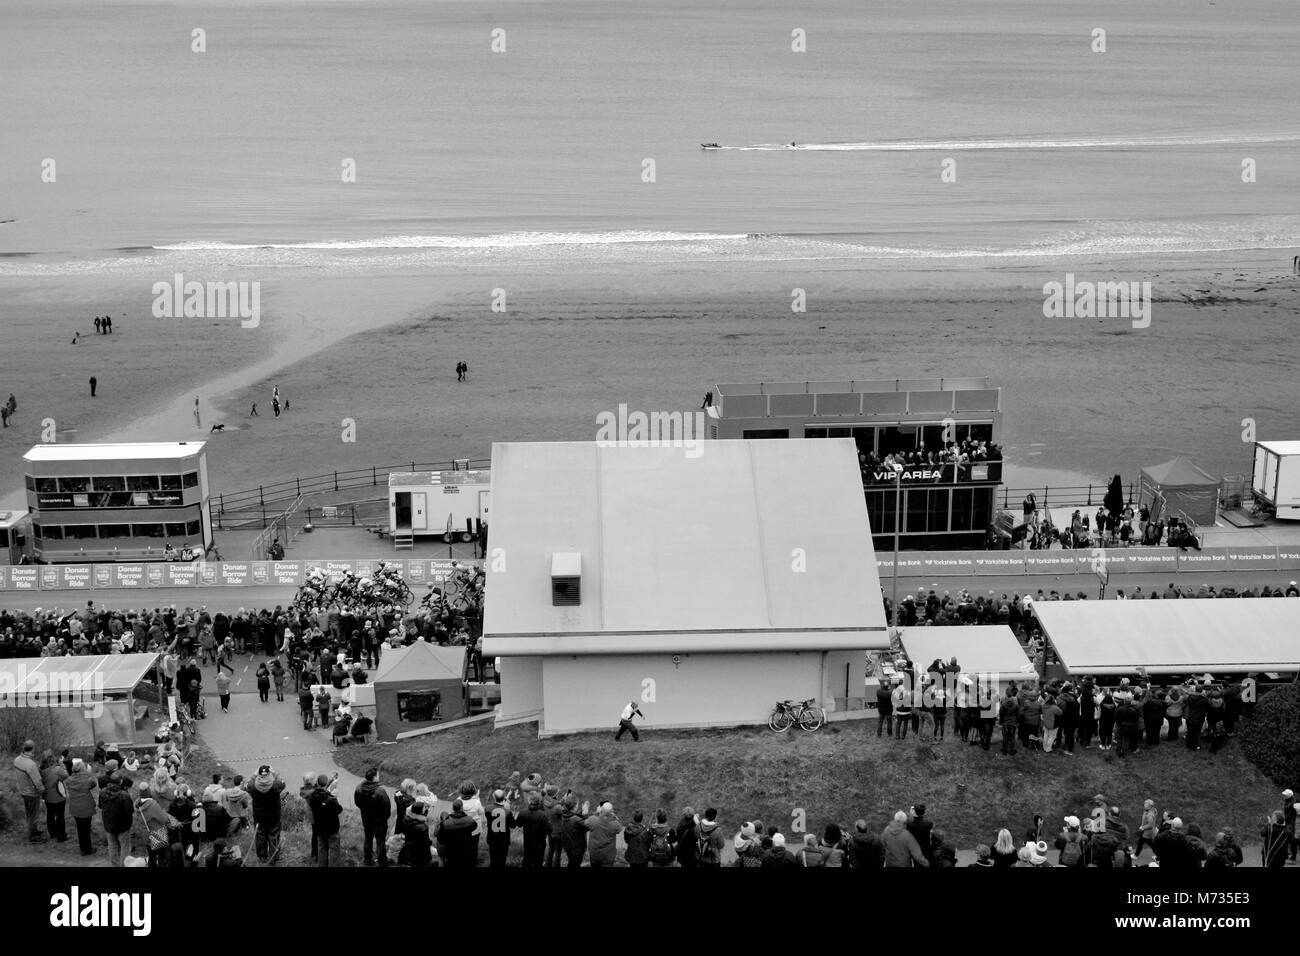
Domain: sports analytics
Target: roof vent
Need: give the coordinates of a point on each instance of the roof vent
(566, 579)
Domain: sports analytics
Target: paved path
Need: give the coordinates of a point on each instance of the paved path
(254, 733)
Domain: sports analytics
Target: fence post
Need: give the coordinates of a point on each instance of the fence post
(297, 482)
(374, 476)
(263, 515)
(336, 480)
(354, 516)
(1089, 494)
(260, 499)
(412, 466)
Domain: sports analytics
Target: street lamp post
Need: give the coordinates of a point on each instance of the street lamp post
(898, 495)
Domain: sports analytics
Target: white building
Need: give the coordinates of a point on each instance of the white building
(704, 586)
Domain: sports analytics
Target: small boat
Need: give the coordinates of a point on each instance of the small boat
(710, 146)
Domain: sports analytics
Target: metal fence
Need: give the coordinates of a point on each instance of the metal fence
(258, 507)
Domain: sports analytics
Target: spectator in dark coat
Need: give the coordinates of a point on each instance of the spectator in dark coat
(499, 824)
(636, 839)
(921, 828)
(865, 849)
(573, 830)
(536, 826)
(687, 848)
(1153, 717)
(373, 803)
(1277, 842)
(457, 841)
(325, 813)
(776, 855)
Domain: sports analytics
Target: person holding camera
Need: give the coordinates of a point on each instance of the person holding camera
(265, 791)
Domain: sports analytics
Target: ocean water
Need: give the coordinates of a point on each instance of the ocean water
(234, 156)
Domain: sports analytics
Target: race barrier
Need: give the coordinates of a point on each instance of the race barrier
(1135, 560)
(145, 575)
(424, 571)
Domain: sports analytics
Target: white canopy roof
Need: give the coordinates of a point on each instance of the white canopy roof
(1224, 636)
(89, 677)
(979, 649)
(108, 451)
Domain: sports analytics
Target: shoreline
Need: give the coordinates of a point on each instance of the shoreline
(581, 337)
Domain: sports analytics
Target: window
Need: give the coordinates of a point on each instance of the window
(938, 520)
(47, 486)
(36, 530)
(175, 529)
(194, 528)
(982, 432)
(880, 511)
(30, 482)
(866, 439)
(170, 482)
(147, 530)
(898, 438)
(918, 509)
(766, 433)
(79, 485)
(814, 433)
(110, 483)
(961, 508)
(78, 532)
(421, 705)
(111, 499)
(142, 482)
(114, 531)
(982, 508)
(190, 479)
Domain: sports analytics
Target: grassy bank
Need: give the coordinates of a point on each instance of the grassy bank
(838, 775)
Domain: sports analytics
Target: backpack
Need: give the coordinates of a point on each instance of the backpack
(1071, 853)
(661, 851)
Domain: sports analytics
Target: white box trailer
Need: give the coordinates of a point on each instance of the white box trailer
(447, 504)
(1275, 480)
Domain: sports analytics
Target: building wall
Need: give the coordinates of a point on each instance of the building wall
(589, 692)
(521, 687)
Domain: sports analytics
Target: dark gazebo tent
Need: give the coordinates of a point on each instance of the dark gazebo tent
(1184, 488)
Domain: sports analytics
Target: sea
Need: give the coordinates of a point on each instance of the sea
(560, 131)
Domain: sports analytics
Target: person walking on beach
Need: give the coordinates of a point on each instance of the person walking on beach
(4, 415)
(625, 722)
(197, 420)
(94, 383)
(108, 325)
(253, 413)
(97, 325)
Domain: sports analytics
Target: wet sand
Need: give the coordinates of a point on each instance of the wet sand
(1083, 398)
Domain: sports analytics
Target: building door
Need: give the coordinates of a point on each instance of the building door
(402, 511)
(419, 511)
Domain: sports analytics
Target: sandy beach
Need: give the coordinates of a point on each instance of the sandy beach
(1083, 398)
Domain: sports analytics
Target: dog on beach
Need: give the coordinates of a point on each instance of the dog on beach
(218, 428)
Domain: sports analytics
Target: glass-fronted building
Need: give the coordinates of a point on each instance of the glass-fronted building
(111, 502)
(943, 506)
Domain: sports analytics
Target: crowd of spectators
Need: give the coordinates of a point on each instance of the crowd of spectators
(950, 463)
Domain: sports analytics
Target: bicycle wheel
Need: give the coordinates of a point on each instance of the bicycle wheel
(781, 720)
(811, 718)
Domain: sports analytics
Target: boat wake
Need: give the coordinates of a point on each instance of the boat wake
(956, 145)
